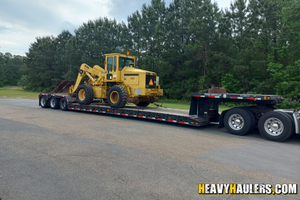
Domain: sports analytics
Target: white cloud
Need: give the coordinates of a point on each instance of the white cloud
(16, 40)
(22, 21)
(79, 11)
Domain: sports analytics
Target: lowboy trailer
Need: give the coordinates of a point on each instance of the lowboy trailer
(273, 124)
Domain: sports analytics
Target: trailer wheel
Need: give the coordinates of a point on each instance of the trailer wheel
(84, 94)
(54, 103)
(239, 121)
(117, 96)
(43, 102)
(276, 126)
(145, 104)
(63, 105)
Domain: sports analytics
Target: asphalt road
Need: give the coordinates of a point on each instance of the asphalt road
(52, 154)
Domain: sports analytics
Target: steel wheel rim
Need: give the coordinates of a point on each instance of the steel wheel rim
(81, 94)
(236, 122)
(274, 126)
(43, 101)
(52, 102)
(114, 97)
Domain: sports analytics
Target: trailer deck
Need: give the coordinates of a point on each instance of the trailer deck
(153, 113)
(203, 108)
(273, 124)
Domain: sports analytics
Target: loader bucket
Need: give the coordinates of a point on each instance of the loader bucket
(63, 86)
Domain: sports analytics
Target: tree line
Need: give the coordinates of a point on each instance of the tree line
(11, 69)
(251, 47)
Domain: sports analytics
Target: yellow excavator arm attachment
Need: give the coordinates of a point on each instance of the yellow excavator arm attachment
(92, 73)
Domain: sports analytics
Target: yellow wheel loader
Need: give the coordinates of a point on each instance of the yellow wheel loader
(118, 83)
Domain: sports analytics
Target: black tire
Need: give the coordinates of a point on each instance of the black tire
(43, 102)
(117, 96)
(276, 126)
(292, 120)
(54, 103)
(289, 116)
(239, 121)
(84, 94)
(63, 105)
(252, 117)
(145, 104)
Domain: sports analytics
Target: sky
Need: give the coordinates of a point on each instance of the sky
(22, 21)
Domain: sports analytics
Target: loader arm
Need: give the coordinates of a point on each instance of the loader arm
(92, 73)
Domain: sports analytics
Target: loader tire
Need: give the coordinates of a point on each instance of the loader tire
(144, 104)
(117, 96)
(84, 94)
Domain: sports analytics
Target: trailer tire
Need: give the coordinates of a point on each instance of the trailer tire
(145, 104)
(253, 118)
(63, 105)
(84, 94)
(276, 126)
(239, 121)
(117, 96)
(292, 120)
(43, 102)
(54, 103)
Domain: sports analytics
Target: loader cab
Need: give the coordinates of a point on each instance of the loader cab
(125, 62)
(115, 63)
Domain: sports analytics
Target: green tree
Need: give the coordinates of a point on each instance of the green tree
(177, 38)
(153, 17)
(135, 35)
(14, 68)
(60, 67)
(2, 65)
(285, 61)
(40, 61)
(96, 38)
(71, 59)
(242, 68)
(205, 20)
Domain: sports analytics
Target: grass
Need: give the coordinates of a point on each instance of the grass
(184, 106)
(19, 93)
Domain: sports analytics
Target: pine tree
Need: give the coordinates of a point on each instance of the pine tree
(2, 65)
(60, 67)
(242, 69)
(135, 35)
(39, 64)
(153, 17)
